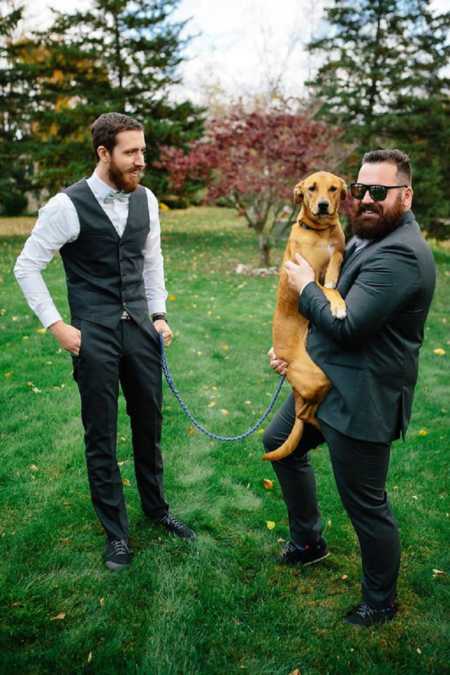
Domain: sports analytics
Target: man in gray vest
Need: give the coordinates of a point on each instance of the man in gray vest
(371, 359)
(106, 228)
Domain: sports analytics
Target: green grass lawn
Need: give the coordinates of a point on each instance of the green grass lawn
(221, 605)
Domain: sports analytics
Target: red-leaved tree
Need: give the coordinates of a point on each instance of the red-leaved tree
(253, 160)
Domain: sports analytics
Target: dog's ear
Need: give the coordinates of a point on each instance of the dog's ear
(298, 193)
(343, 190)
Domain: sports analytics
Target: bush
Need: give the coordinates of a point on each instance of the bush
(175, 201)
(13, 204)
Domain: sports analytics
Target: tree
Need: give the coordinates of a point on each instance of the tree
(253, 160)
(120, 55)
(385, 80)
(15, 84)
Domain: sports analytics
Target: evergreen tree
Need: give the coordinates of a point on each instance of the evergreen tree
(15, 84)
(385, 79)
(120, 55)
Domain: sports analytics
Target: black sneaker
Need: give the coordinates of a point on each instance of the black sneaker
(176, 527)
(293, 554)
(365, 615)
(117, 555)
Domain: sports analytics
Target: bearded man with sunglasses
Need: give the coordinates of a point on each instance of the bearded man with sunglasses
(371, 359)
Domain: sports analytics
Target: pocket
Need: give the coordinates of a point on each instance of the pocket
(148, 327)
(78, 323)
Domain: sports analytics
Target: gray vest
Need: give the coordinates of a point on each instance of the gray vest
(104, 271)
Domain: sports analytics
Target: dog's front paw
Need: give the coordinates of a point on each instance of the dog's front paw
(339, 312)
(338, 308)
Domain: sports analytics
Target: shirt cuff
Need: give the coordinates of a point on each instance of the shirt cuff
(157, 309)
(49, 316)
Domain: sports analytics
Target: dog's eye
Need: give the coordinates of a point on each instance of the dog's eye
(333, 188)
(312, 188)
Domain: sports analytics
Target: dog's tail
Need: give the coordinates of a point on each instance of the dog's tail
(289, 444)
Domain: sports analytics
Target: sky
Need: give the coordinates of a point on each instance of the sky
(242, 46)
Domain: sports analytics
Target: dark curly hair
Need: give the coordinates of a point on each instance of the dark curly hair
(393, 156)
(106, 127)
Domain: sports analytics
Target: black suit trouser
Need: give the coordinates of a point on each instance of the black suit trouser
(128, 355)
(360, 470)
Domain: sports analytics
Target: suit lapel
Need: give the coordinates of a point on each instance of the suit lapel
(352, 263)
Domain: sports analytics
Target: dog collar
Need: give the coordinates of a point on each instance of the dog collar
(308, 227)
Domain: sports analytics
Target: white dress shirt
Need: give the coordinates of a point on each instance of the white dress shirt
(58, 224)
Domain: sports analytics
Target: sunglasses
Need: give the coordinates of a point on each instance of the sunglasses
(377, 192)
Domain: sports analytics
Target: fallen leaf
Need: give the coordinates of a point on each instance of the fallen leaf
(418, 650)
(36, 390)
(172, 298)
(224, 412)
(33, 467)
(270, 524)
(344, 577)
(102, 602)
(439, 351)
(126, 482)
(89, 658)
(211, 404)
(295, 672)
(8, 374)
(268, 484)
(423, 432)
(59, 617)
(438, 573)
(41, 331)
(191, 430)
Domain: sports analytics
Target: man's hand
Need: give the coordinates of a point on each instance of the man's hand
(163, 327)
(276, 363)
(300, 274)
(68, 337)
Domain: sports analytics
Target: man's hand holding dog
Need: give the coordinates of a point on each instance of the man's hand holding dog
(300, 273)
(276, 363)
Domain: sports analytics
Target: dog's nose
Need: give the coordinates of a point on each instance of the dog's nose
(323, 206)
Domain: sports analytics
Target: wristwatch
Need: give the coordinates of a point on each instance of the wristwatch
(159, 316)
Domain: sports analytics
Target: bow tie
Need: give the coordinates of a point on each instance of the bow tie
(116, 196)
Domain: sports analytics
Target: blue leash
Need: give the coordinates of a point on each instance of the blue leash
(200, 427)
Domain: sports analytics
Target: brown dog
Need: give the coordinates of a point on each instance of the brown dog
(317, 236)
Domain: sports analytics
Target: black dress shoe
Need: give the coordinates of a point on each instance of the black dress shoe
(366, 616)
(293, 554)
(118, 555)
(176, 527)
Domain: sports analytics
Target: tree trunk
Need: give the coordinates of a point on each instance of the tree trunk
(265, 246)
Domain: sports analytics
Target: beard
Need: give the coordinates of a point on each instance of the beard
(124, 180)
(385, 220)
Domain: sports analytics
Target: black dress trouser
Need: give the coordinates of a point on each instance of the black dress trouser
(360, 470)
(130, 355)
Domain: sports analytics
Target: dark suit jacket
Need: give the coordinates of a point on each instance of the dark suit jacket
(371, 356)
